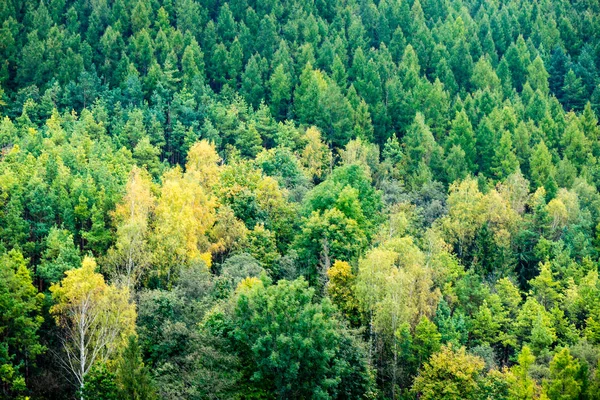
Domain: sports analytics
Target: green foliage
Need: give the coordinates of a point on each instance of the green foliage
(563, 383)
(326, 237)
(451, 374)
(133, 377)
(295, 346)
(411, 160)
(60, 256)
(20, 319)
(100, 384)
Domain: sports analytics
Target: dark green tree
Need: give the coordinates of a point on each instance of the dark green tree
(133, 377)
(294, 345)
(461, 134)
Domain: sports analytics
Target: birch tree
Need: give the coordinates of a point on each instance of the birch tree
(131, 254)
(394, 288)
(95, 319)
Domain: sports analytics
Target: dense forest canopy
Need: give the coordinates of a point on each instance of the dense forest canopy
(288, 199)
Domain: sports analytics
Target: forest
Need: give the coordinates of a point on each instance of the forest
(300, 199)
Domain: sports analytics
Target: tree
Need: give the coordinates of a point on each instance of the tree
(325, 237)
(100, 384)
(131, 255)
(363, 127)
(147, 156)
(315, 155)
(340, 288)
(307, 94)
(235, 62)
(140, 17)
(576, 146)
(203, 164)
(450, 375)
(394, 290)
(338, 72)
(544, 287)
(252, 82)
(522, 386)
(563, 383)
(226, 23)
(94, 318)
(465, 216)
(175, 333)
(518, 59)
(456, 164)
(421, 149)
(20, 319)
(218, 68)
(263, 246)
(542, 169)
(192, 63)
(183, 215)
(574, 95)
(239, 267)
(537, 75)
(484, 75)
(281, 92)
(505, 161)
(248, 141)
(461, 134)
(60, 255)
(293, 344)
(426, 341)
(348, 188)
(132, 376)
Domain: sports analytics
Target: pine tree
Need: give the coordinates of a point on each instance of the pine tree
(505, 161)
(573, 92)
(226, 24)
(537, 76)
(20, 319)
(542, 169)
(140, 16)
(563, 383)
(558, 70)
(218, 66)
(518, 59)
(248, 140)
(192, 63)
(307, 95)
(253, 87)
(235, 62)
(133, 376)
(522, 386)
(338, 72)
(457, 167)
(576, 146)
(461, 134)
(363, 127)
(281, 92)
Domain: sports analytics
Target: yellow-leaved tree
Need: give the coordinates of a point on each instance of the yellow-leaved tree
(340, 288)
(394, 288)
(131, 256)
(186, 211)
(184, 214)
(316, 156)
(203, 163)
(94, 319)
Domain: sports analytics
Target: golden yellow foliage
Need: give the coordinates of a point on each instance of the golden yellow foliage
(316, 156)
(184, 214)
(95, 318)
(203, 163)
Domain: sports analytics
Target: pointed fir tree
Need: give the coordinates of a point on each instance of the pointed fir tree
(505, 161)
